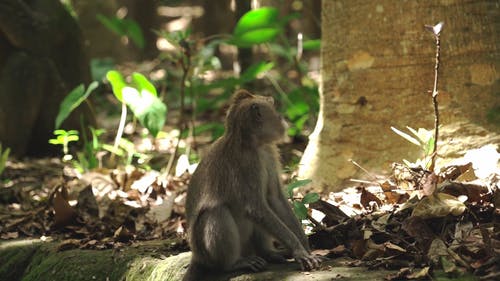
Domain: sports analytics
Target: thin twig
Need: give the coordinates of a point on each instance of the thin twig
(363, 169)
(437, 32)
(186, 66)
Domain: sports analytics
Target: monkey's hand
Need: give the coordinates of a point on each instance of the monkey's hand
(253, 263)
(307, 261)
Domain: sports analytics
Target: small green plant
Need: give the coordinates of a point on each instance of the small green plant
(427, 139)
(422, 138)
(298, 97)
(4, 155)
(299, 205)
(63, 138)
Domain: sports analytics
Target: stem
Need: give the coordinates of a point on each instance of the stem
(186, 65)
(119, 133)
(435, 103)
(185, 71)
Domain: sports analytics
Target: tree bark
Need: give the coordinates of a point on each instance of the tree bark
(41, 60)
(377, 71)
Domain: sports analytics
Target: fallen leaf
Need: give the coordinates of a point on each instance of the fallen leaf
(367, 197)
(454, 171)
(421, 274)
(162, 211)
(438, 205)
(429, 183)
(63, 212)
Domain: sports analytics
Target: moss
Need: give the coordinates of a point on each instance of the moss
(15, 256)
(77, 264)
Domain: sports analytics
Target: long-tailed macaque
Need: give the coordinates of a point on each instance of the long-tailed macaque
(235, 205)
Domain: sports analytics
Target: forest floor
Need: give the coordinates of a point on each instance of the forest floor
(414, 223)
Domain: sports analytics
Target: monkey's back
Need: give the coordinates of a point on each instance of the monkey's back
(222, 172)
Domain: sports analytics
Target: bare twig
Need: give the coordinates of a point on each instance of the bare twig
(185, 62)
(436, 30)
(373, 177)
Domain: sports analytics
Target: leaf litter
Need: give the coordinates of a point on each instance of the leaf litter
(417, 222)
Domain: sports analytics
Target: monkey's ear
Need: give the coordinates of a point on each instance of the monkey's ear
(241, 95)
(255, 111)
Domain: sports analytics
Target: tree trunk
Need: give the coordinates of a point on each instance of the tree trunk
(41, 59)
(377, 70)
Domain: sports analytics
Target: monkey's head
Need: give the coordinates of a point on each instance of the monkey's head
(254, 118)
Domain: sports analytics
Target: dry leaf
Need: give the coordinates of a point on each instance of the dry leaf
(63, 212)
(438, 205)
(429, 183)
(162, 212)
(421, 274)
(367, 197)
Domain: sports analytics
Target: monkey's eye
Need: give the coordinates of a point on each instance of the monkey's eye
(255, 110)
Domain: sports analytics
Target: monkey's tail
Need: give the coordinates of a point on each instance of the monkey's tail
(194, 272)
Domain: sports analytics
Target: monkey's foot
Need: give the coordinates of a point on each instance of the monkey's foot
(309, 262)
(253, 263)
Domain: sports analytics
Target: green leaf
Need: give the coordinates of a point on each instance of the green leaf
(254, 70)
(124, 27)
(134, 32)
(142, 99)
(255, 27)
(296, 184)
(99, 68)
(406, 136)
(311, 45)
(147, 108)
(300, 210)
(117, 82)
(4, 155)
(310, 198)
(142, 83)
(72, 101)
(297, 110)
(112, 24)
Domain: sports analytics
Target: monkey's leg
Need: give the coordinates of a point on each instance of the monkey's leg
(269, 248)
(222, 241)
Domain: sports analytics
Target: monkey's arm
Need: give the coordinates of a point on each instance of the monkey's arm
(262, 215)
(24, 28)
(283, 209)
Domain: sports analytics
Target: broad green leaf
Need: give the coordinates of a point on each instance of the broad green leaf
(255, 69)
(124, 27)
(406, 136)
(134, 32)
(72, 101)
(296, 184)
(117, 82)
(255, 27)
(314, 44)
(254, 37)
(300, 210)
(296, 110)
(149, 109)
(142, 83)
(112, 24)
(256, 19)
(310, 198)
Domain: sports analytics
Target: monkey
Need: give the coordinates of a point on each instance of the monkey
(235, 206)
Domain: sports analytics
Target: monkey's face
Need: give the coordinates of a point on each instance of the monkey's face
(268, 126)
